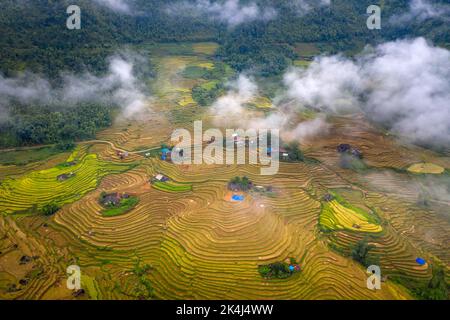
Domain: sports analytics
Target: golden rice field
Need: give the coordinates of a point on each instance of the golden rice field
(201, 245)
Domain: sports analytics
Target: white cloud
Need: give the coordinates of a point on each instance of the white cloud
(403, 84)
(229, 109)
(231, 12)
(115, 5)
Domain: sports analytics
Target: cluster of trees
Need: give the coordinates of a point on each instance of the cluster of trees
(294, 152)
(35, 124)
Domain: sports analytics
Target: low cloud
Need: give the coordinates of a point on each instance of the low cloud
(420, 10)
(404, 85)
(118, 87)
(230, 12)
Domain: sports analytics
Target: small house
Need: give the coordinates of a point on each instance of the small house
(212, 140)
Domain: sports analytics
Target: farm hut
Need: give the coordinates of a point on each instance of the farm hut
(291, 268)
(237, 197)
(211, 140)
(111, 199)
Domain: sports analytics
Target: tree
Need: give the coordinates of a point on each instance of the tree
(50, 208)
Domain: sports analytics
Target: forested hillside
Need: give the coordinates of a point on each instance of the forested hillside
(34, 36)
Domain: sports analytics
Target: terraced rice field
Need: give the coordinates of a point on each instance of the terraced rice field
(201, 245)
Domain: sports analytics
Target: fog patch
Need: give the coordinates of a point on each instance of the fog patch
(119, 87)
(402, 85)
(230, 12)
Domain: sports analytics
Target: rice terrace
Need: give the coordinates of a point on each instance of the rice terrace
(94, 184)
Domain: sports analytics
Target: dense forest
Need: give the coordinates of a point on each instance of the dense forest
(35, 39)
